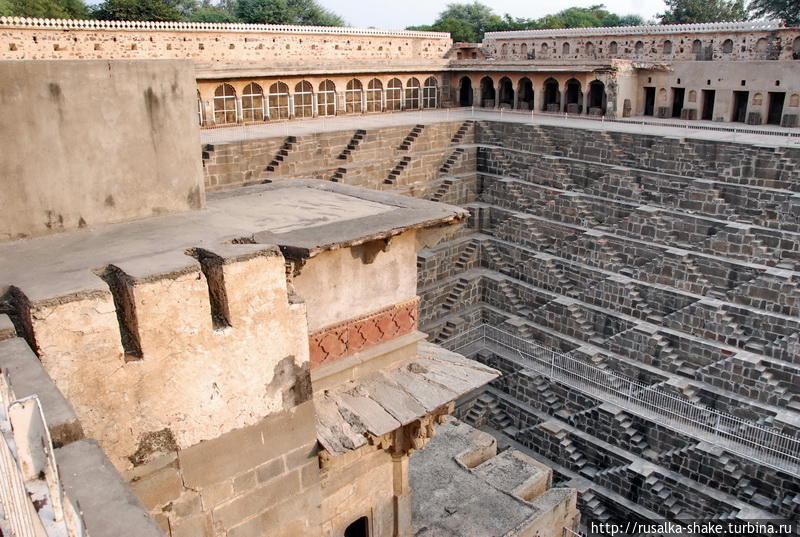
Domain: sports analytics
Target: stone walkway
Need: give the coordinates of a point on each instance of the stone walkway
(706, 130)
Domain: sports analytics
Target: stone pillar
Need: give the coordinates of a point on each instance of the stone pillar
(341, 106)
(515, 105)
(476, 96)
(586, 100)
(208, 112)
(563, 103)
(402, 497)
(239, 111)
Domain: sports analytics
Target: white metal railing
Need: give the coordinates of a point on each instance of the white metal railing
(28, 472)
(764, 445)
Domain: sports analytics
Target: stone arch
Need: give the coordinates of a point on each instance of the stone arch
(353, 96)
(224, 104)
(565, 49)
(394, 95)
(589, 48)
(303, 99)
(662, 95)
(758, 99)
(374, 95)
(523, 50)
(278, 101)
(573, 96)
(692, 96)
(613, 48)
(545, 50)
(430, 93)
(525, 94)
(552, 96)
(796, 48)
(326, 98)
(598, 101)
(506, 92)
(487, 92)
(667, 48)
(794, 100)
(504, 50)
(465, 94)
(252, 102)
(412, 94)
(638, 48)
(727, 46)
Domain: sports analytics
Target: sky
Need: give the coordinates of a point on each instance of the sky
(397, 14)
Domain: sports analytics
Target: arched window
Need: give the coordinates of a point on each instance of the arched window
(278, 101)
(430, 93)
(796, 48)
(303, 99)
(697, 46)
(727, 46)
(412, 94)
(597, 98)
(253, 103)
(352, 96)
(523, 50)
(359, 528)
(224, 104)
(545, 49)
(374, 95)
(612, 48)
(565, 49)
(504, 50)
(326, 98)
(761, 45)
(667, 50)
(692, 96)
(589, 48)
(394, 95)
(200, 107)
(638, 48)
(794, 100)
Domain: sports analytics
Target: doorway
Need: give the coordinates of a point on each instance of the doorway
(465, 92)
(708, 105)
(740, 99)
(775, 112)
(359, 528)
(678, 95)
(649, 101)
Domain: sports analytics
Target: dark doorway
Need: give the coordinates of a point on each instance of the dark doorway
(506, 92)
(465, 92)
(552, 97)
(678, 95)
(573, 96)
(359, 528)
(487, 92)
(597, 97)
(740, 99)
(525, 100)
(775, 111)
(708, 104)
(649, 101)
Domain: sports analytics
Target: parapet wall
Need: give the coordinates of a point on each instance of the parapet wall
(766, 40)
(208, 43)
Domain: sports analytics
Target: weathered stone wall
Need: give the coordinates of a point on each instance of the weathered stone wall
(138, 159)
(38, 39)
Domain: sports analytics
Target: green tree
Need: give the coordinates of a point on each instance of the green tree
(305, 12)
(786, 10)
(689, 11)
(50, 9)
(625, 20)
(209, 14)
(137, 10)
(470, 21)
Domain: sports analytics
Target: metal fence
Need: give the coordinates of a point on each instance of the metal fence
(764, 445)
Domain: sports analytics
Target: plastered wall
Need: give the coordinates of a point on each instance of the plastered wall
(87, 143)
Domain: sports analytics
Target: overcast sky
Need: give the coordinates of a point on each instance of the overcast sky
(397, 14)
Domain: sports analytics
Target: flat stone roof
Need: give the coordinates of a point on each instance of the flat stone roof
(302, 217)
(386, 400)
(453, 500)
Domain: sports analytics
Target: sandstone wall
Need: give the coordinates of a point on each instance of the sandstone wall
(87, 143)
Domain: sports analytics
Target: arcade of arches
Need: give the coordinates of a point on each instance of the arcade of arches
(550, 94)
